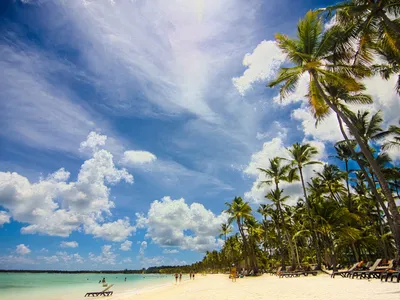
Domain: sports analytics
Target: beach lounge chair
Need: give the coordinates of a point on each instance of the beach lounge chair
(346, 273)
(391, 273)
(313, 271)
(104, 292)
(379, 271)
(278, 271)
(363, 274)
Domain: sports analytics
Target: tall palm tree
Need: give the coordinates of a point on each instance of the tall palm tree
(311, 53)
(277, 198)
(301, 156)
(331, 176)
(225, 230)
(240, 211)
(369, 19)
(344, 153)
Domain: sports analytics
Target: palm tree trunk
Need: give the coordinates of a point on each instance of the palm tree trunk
(313, 235)
(371, 183)
(245, 246)
(382, 232)
(375, 167)
(350, 205)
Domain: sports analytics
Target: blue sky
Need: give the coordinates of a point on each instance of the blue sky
(127, 124)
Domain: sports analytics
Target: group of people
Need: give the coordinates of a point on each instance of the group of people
(179, 276)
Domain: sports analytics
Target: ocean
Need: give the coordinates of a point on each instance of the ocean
(47, 286)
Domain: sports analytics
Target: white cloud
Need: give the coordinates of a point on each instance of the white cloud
(175, 223)
(126, 246)
(127, 260)
(4, 218)
(93, 142)
(143, 247)
(170, 251)
(49, 259)
(261, 65)
(72, 244)
(54, 206)
(132, 158)
(21, 249)
(155, 42)
(260, 159)
(42, 115)
(116, 231)
(15, 261)
(275, 129)
(327, 130)
(61, 257)
(107, 256)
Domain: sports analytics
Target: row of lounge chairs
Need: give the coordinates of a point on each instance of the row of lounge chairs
(289, 273)
(376, 270)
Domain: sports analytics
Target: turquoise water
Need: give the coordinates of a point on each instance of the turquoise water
(46, 286)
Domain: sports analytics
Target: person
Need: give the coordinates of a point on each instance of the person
(180, 277)
(193, 275)
(125, 278)
(176, 277)
(233, 273)
(104, 280)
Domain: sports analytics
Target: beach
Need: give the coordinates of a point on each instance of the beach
(271, 287)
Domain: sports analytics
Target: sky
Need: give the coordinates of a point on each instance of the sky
(127, 124)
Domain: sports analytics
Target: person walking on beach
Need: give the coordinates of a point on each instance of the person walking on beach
(193, 275)
(180, 277)
(176, 277)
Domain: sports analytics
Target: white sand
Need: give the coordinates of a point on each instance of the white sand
(321, 287)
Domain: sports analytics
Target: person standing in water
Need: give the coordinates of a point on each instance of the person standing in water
(193, 275)
(180, 277)
(176, 277)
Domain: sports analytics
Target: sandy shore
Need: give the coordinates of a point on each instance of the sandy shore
(270, 287)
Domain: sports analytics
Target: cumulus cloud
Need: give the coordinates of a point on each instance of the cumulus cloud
(262, 64)
(61, 257)
(4, 218)
(170, 251)
(107, 256)
(57, 207)
(175, 223)
(260, 159)
(132, 158)
(126, 246)
(143, 247)
(72, 244)
(21, 249)
(116, 231)
(93, 142)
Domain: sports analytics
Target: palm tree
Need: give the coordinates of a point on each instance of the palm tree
(301, 156)
(392, 131)
(369, 20)
(268, 210)
(240, 211)
(225, 230)
(277, 198)
(344, 153)
(274, 175)
(311, 53)
(331, 176)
